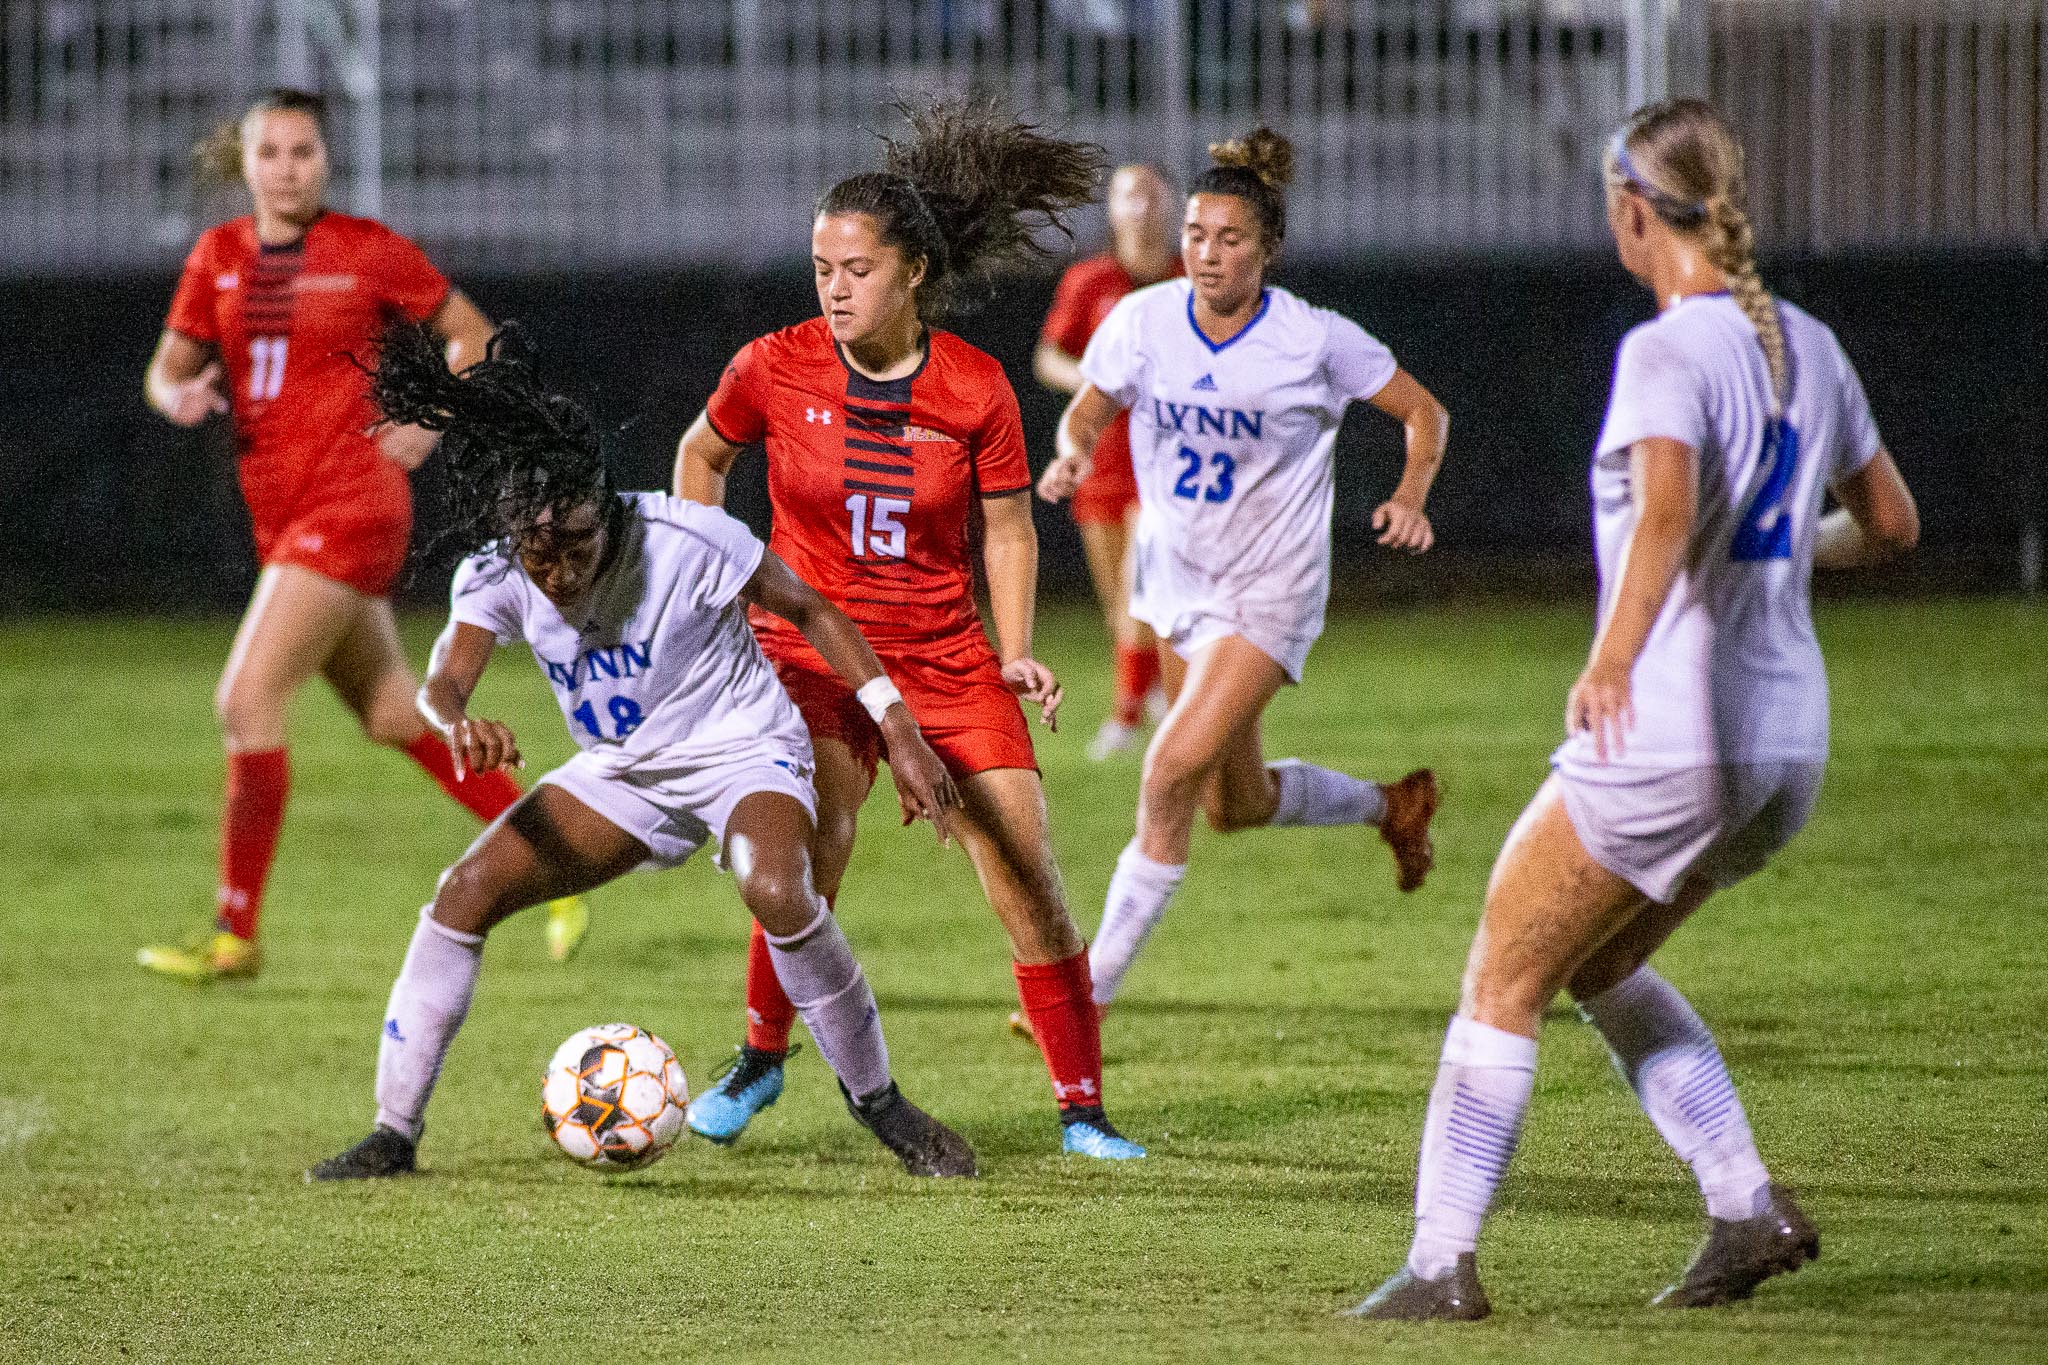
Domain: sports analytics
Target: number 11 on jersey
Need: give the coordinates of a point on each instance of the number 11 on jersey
(876, 528)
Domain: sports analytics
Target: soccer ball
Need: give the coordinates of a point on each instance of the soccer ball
(613, 1097)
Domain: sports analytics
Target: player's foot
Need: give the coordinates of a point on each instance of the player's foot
(1407, 1297)
(214, 955)
(568, 922)
(385, 1152)
(923, 1144)
(1411, 805)
(1112, 738)
(750, 1083)
(1086, 1131)
(1740, 1254)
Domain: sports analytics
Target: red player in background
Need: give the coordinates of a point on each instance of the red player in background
(268, 316)
(1144, 249)
(884, 436)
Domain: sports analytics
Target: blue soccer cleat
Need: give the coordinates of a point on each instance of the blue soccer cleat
(750, 1083)
(1090, 1134)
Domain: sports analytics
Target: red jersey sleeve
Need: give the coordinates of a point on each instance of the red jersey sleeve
(192, 312)
(1000, 465)
(738, 410)
(407, 281)
(1067, 322)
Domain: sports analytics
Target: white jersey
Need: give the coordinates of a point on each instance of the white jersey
(1232, 444)
(1731, 672)
(662, 671)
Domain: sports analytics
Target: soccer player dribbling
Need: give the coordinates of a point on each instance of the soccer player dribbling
(1144, 249)
(1697, 734)
(266, 317)
(885, 437)
(1236, 390)
(635, 606)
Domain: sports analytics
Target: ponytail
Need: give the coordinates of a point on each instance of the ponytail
(217, 157)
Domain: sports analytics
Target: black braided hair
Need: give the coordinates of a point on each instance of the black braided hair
(518, 454)
(967, 191)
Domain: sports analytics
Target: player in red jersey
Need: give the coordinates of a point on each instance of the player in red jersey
(268, 316)
(885, 438)
(1144, 249)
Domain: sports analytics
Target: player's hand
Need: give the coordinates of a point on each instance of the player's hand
(1402, 527)
(1599, 705)
(1033, 681)
(1063, 476)
(406, 447)
(482, 746)
(198, 398)
(924, 789)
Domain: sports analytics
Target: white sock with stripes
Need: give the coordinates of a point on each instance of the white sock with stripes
(1139, 890)
(1323, 796)
(1668, 1057)
(1483, 1083)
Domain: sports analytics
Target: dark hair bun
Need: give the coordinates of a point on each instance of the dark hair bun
(1262, 151)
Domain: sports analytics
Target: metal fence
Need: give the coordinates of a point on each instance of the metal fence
(614, 132)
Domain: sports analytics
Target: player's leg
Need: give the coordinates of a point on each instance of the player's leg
(369, 672)
(1549, 906)
(1002, 824)
(292, 623)
(549, 845)
(1106, 545)
(767, 844)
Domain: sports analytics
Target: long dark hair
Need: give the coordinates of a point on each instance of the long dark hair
(518, 454)
(967, 191)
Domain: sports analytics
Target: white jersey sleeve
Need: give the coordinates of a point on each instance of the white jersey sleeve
(1858, 442)
(1657, 392)
(735, 552)
(486, 593)
(1113, 361)
(1358, 364)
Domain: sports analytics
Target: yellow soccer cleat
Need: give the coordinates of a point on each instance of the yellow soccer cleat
(568, 922)
(215, 955)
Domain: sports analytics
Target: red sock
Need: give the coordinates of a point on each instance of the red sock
(1060, 1003)
(1136, 670)
(249, 821)
(769, 1013)
(488, 795)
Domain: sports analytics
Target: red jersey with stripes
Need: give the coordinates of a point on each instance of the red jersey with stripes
(873, 482)
(286, 320)
(1087, 291)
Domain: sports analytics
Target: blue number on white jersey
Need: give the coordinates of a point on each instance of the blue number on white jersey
(1766, 531)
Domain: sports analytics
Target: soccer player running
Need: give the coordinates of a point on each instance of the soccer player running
(885, 438)
(1142, 251)
(266, 315)
(1697, 732)
(634, 605)
(1235, 390)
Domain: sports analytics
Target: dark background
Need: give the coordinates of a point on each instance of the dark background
(108, 507)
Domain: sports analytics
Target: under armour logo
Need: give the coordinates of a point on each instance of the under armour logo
(822, 415)
(1206, 384)
(1085, 1087)
(391, 1031)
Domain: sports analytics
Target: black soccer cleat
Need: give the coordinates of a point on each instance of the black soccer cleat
(385, 1152)
(1741, 1253)
(923, 1144)
(1407, 1297)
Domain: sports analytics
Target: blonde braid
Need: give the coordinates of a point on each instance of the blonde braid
(1731, 246)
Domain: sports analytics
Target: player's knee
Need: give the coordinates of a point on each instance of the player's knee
(780, 898)
(467, 898)
(249, 717)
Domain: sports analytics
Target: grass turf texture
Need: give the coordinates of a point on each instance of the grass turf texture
(1878, 992)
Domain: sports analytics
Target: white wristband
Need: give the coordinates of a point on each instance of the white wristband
(878, 694)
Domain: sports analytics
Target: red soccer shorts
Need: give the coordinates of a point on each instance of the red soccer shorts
(953, 685)
(1111, 488)
(362, 547)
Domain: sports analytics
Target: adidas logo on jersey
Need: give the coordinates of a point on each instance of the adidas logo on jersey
(821, 415)
(1206, 384)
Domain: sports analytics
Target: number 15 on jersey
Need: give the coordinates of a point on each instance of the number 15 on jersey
(877, 528)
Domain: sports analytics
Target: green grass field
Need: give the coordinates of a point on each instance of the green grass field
(1879, 992)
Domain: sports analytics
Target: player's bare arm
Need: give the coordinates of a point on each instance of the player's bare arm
(703, 458)
(1081, 427)
(923, 785)
(1427, 431)
(467, 333)
(453, 670)
(1009, 554)
(1666, 478)
(1878, 519)
(183, 381)
(1055, 369)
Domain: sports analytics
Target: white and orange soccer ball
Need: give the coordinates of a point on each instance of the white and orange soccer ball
(613, 1097)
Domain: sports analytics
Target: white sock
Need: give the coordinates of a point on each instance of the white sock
(818, 973)
(1475, 1117)
(1665, 1053)
(1322, 796)
(428, 1003)
(1138, 893)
